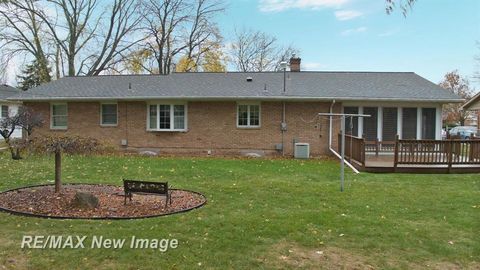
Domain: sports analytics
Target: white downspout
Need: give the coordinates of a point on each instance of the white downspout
(331, 125)
(330, 139)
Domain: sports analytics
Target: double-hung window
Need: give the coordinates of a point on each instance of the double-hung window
(248, 115)
(59, 113)
(4, 111)
(167, 117)
(109, 114)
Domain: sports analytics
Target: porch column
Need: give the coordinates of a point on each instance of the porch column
(380, 123)
(438, 123)
(360, 122)
(399, 122)
(419, 123)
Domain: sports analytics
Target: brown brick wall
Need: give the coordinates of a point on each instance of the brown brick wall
(211, 126)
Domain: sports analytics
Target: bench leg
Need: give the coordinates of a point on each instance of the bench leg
(129, 195)
(167, 200)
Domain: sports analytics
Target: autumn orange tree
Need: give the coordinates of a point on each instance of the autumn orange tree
(64, 144)
(458, 85)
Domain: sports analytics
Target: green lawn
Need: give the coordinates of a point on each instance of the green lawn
(261, 214)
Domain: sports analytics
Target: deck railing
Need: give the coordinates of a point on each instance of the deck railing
(378, 146)
(354, 148)
(437, 152)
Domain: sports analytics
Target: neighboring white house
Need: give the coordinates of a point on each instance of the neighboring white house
(474, 105)
(8, 107)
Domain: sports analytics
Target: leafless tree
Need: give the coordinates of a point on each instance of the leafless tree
(79, 36)
(174, 28)
(453, 82)
(258, 51)
(21, 33)
(64, 144)
(203, 35)
(8, 125)
(28, 120)
(404, 5)
(24, 119)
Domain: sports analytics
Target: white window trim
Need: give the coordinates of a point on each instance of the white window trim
(171, 129)
(51, 116)
(248, 115)
(101, 114)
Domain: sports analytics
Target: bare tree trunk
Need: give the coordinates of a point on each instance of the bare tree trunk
(57, 62)
(15, 152)
(58, 171)
(12, 152)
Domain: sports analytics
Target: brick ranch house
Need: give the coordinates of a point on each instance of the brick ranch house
(236, 113)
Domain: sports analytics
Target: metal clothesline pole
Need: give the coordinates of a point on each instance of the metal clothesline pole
(342, 153)
(342, 148)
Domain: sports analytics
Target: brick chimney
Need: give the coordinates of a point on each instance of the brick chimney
(295, 63)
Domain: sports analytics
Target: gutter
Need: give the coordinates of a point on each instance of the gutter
(10, 101)
(222, 98)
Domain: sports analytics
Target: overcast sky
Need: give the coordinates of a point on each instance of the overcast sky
(436, 37)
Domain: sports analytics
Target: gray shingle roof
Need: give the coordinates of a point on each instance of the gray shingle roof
(7, 91)
(234, 85)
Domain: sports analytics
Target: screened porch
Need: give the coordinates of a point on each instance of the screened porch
(386, 122)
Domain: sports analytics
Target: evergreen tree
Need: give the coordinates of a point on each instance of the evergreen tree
(31, 76)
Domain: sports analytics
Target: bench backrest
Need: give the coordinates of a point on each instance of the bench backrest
(147, 187)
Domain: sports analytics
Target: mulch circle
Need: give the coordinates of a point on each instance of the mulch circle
(42, 201)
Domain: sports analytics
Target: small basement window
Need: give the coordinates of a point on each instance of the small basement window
(59, 116)
(167, 117)
(248, 115)
(109, 114)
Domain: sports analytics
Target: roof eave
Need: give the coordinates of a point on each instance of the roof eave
(219, 98)
(469, 103)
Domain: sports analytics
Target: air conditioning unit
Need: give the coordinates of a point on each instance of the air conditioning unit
(302, 150)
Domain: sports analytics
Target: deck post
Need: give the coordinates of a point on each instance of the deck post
(395, 157)
(471, 149)
(449, 154)
(377, 145)
(362, 148)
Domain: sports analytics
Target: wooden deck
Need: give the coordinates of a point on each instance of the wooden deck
(413, 156)
(385, 164)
